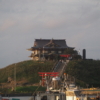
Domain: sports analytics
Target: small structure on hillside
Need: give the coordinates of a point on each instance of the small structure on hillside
(48, 48)
(84, 54)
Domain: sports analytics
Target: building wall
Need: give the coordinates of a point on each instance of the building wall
(70, 97)
(42, 52)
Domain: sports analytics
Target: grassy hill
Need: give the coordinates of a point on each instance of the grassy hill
(27, 70)
(88, 71)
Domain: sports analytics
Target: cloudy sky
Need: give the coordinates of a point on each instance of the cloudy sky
(23, 21)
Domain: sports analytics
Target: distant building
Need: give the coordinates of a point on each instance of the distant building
(48, 48)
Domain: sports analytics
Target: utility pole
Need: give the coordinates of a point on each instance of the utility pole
(43, 52)
(15, 76)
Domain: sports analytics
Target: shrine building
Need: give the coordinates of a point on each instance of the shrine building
(48, 48)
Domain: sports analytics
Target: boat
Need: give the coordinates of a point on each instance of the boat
(58, 90)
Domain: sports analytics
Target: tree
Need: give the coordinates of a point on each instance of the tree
(70, 51)
(73, 53)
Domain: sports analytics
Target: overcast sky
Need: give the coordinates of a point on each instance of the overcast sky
(23, 21)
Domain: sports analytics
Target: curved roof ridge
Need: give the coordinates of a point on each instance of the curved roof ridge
(52, 43)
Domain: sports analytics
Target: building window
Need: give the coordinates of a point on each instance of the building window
(45, 51)
(33, 52)
(38, 52)
(52, 51)
(59, 51)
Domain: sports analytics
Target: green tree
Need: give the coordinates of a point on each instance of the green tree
(70, 51)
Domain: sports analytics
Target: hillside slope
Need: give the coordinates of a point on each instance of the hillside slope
(88, 71)
(26, 70)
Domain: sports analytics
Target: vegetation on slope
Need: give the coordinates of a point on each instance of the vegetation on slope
(27, 70)
(88, 71)
(30, 89)
(23, 90)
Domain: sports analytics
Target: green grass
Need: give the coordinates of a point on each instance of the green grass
(26, 70)
(28, 89)
(87, 71)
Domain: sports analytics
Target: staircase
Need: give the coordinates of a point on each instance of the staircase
(59, 67)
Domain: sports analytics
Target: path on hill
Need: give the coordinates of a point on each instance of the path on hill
(60, 67)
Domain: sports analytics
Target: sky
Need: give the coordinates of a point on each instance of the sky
(23, 21)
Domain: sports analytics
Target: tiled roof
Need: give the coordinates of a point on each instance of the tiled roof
(60, 43)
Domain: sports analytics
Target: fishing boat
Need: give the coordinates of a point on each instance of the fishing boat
(60, 91)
